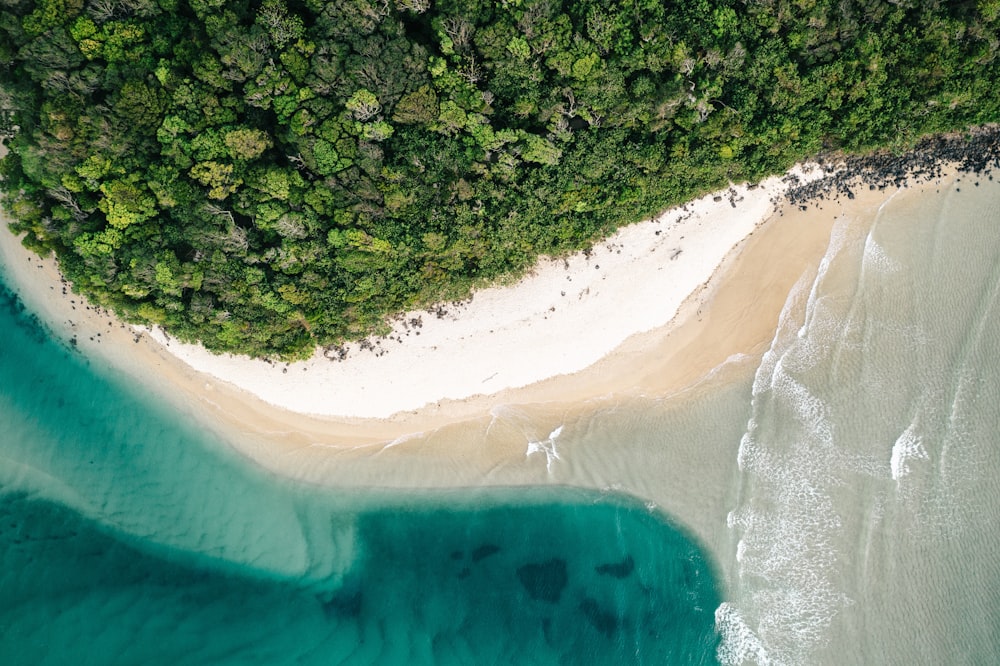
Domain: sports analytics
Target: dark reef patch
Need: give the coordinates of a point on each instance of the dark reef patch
(544, 581)
(621, 569)
(484, 551)
(604, 621)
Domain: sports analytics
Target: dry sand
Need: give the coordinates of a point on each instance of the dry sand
(594, 429)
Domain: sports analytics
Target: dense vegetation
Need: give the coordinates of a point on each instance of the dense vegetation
(266, 176)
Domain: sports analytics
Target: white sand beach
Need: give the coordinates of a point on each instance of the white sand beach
(563, 317)
(660, 417)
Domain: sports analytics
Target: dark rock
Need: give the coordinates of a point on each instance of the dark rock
(484, 551)
(621, 569)
(544, 581)
(973, 152)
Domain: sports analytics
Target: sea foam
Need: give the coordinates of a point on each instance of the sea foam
(787, 521)
(909, 446)
(739, 643)
(546, 446)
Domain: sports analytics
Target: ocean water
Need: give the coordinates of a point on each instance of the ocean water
(835, 500)
(129, 536)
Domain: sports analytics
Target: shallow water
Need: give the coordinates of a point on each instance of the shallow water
(867, 521)
(836, 501)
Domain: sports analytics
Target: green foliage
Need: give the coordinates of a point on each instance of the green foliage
(419, 107)
(540, 150)
(267, 175)
(217, 177)
(247, 144)
(49, 14)
(140, 106)
(363, 104)
(126, 202)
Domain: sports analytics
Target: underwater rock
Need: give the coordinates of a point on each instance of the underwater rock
(544, 581)
(600, 619)
(484, 551)
(621, 569)
(344, 604)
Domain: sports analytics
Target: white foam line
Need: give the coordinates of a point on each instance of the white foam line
(786, 519)
(546, 446)
(908, 446)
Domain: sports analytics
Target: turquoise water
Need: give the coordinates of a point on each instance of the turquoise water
(128, 536)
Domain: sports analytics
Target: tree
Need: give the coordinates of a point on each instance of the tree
(540, 150)
(281, 26)
(126, 202)
(218, 177)
(268, 175)
(247, 144)
(419, 107)
(363, 105)
(140, 106)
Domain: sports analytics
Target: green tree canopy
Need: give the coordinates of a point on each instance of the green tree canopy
(269, 175)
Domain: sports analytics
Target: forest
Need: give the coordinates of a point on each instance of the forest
(266, 177)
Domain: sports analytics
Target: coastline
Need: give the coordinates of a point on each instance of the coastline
(564, 321)
(615, 363)
(565, 331)
(677, 451)
(726, 322)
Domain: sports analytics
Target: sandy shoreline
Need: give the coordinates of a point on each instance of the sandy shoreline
(737, 298)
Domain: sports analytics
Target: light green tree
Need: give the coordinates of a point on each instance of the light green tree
(126, 202)
(218, 177)
(247, 144)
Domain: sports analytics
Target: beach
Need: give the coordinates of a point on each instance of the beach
(817, 417)
(564, 316)
(517, 436)
(531, 435)
(645, 314)
(682, 333)
(628, 317)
